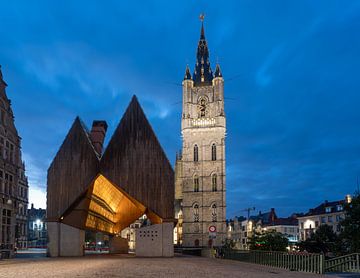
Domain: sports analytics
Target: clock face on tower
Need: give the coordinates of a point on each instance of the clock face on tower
(202, 106)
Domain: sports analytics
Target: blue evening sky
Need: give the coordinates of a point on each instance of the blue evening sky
(291, 72)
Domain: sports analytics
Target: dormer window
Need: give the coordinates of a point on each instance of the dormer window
(339, 207)
(328, 209)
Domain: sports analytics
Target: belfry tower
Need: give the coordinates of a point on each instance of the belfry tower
(200, 168)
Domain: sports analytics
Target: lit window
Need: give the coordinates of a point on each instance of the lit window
(213, 152)
(196, 153)
(214, 182)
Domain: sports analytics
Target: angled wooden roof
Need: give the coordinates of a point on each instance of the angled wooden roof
(72, 170)
(133, 161)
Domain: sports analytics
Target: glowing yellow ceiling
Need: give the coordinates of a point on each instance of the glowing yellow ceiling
(107, 208)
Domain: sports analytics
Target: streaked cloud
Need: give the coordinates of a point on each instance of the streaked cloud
(291, 89)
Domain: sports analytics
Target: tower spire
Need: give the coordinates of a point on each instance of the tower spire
(202, 74)
(217, 71)
(202, 34)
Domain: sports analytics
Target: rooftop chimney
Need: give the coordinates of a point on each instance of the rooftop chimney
(97, 135)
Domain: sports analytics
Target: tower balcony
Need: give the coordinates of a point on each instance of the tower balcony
(203, 122)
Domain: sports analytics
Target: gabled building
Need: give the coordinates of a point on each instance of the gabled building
(287, 226)
(254, 224)
(240, 229)
(13, 182)
(234, 230)
(329, 213)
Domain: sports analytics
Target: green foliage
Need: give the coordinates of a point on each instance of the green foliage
(324, 240)
(350, 235)
(269, 241)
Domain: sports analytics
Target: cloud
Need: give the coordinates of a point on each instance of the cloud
(263, 76)
(291, 110)
(35, 173)
(37, 197)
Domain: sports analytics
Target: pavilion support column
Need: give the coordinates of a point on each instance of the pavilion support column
(64, 240)
(155, 240)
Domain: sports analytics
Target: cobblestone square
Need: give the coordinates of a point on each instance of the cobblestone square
(129, 266)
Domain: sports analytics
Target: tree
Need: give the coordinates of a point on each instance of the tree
(350, 235)
(324, 240)
(269, 241)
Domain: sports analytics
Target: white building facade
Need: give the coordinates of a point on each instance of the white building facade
(329, 213)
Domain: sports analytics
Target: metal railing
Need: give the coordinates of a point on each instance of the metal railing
(347, 263)
(294, 261)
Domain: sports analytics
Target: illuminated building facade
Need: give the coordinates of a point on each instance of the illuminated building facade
(240, 230)
(88, 189)
(13, 182)
(329, 213)
(37, 230)
(200, 168)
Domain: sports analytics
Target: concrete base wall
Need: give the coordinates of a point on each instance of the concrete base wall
(155, 241)
(118, 245)
(64, 240)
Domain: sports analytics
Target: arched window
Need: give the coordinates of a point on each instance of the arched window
(214, 182)
(196, 184)
(213, 213)
(196, 153)
(196, 213)
(213, 152)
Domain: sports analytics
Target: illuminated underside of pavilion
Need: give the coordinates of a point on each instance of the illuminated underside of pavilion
(106, 192)
(107, 208)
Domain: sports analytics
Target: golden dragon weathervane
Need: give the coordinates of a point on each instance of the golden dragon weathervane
(201, 17)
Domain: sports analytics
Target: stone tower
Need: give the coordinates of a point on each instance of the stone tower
(200, 168)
